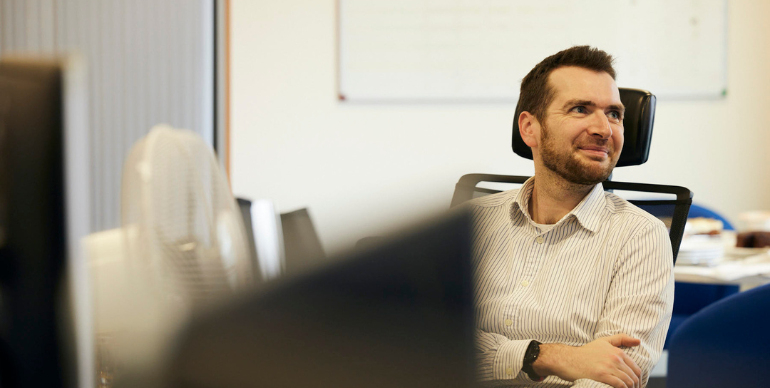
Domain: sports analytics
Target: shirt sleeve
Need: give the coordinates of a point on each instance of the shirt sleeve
(499, 358)
(641, 297)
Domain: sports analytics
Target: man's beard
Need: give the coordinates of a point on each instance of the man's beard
(569, 167)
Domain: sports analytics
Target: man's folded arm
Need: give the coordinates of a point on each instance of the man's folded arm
(498, 358)
(640, 299)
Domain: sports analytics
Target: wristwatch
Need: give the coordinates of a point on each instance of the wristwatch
(533, 351)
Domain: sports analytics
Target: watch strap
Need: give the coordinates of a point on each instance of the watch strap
(530, 356)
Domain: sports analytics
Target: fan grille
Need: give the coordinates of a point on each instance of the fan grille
(190, 246)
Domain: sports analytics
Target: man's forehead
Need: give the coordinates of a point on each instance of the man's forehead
(569, 83)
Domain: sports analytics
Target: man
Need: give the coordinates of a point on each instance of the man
(574, 285)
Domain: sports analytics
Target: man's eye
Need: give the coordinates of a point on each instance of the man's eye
(616, 115)
(579, 109)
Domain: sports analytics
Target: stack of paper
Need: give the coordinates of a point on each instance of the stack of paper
(700, 250)
(727, 271)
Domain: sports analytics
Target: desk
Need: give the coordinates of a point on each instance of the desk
(748, 272)
(746, 267)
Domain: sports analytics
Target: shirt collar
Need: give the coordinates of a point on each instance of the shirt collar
(587, 212)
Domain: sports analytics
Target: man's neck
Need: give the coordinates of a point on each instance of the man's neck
(553, 197)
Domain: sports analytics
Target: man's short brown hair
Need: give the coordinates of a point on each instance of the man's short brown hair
(536, 94)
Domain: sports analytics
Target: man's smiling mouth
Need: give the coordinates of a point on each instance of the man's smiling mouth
(597, 151)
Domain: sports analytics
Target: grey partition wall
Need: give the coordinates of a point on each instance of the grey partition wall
(147, 62)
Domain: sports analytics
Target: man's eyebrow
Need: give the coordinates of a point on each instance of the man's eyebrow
(620, 108)
(575, 102)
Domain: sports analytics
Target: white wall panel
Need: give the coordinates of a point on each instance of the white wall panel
(363, 167)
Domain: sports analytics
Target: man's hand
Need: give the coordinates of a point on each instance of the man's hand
(601, 360)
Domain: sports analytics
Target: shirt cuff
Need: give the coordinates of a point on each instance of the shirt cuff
(509, 359)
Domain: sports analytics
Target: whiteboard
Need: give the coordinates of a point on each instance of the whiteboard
(479, 50)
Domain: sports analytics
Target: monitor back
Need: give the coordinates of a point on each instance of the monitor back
(32, 229)
(396, 315)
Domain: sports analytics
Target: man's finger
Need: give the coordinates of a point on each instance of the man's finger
(627, 374)
(615, 382)
(630, 341)
(619, 340)
(630, 362)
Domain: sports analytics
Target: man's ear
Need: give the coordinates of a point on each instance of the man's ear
(529, 129)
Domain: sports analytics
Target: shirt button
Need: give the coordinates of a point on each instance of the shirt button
(539, 240)
(524, 283)
(509, 371)
(508, 322)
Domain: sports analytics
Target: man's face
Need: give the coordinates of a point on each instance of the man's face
(582, 135)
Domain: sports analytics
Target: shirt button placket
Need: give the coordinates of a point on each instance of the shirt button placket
(529, 270)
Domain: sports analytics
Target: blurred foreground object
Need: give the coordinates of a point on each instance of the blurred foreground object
(396, 315)
(45, 332)
(182, 247)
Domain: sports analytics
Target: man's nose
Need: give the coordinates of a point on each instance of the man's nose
(600, 126)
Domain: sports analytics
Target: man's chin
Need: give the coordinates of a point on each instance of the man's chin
(581, 171)
(596, 167)
(592, 174)
(588, 180)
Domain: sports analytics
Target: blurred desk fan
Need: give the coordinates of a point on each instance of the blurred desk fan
(190, 240)
(184, 242)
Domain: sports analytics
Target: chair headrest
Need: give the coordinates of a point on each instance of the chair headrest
(637, 124)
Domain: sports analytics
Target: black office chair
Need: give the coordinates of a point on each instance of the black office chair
(302, 246)
(637, 123)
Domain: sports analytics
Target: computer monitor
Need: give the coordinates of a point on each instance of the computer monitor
(396, 315)
(263, 229)
(244, 205)
(37, 323)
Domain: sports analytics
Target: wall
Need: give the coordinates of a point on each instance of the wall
(364, 169)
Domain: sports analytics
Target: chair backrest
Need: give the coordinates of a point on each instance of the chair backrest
(637, 128)
(724, 345)
(302, 246)
(673, 212)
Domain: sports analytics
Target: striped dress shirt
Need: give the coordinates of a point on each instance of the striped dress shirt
(605, 268)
